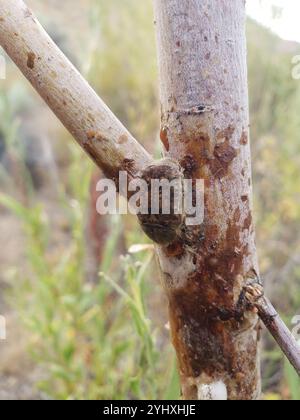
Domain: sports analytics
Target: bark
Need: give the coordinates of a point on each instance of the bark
(205, 124)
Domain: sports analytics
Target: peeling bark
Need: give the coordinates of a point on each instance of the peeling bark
(205, 124)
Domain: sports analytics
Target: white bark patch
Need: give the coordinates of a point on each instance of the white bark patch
(176, 270)
(215, 391)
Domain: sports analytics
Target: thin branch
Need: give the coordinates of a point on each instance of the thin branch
(66, 92)
(270, 317)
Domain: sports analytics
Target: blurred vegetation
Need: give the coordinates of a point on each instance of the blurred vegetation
(107, 339)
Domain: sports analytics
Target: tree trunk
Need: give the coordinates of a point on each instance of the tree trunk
(205, 124)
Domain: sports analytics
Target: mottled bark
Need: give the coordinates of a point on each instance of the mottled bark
(205, 125)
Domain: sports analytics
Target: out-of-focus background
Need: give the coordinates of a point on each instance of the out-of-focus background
(75, 334)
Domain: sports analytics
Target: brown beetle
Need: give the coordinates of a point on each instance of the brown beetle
(163, 229)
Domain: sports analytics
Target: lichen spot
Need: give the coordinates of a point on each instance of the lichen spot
(215, 391)
(30, 60)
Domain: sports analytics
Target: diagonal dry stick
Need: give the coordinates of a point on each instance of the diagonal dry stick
(255, 296)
